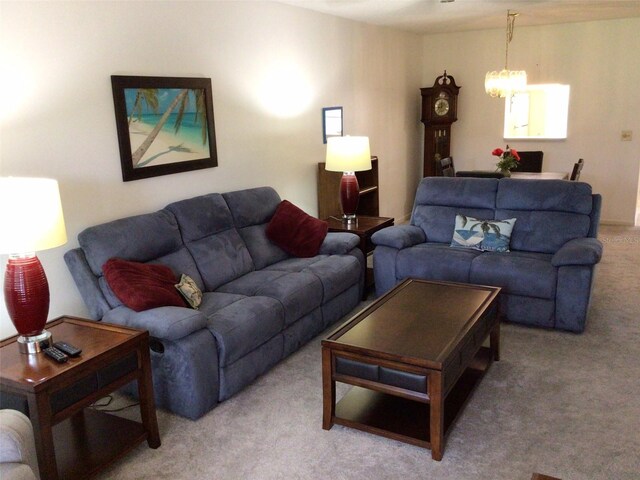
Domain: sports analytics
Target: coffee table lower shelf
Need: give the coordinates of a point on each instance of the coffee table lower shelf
(91, 440)
(407, 420)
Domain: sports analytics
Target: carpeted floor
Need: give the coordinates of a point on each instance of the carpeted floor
(557, 403)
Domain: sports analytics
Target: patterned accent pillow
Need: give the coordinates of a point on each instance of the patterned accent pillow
(190, 291)
(483, 235)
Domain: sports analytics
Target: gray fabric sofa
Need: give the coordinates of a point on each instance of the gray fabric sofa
(259, 304)
(18, 460)
(547, 276)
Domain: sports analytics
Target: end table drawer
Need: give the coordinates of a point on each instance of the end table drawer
(91, 383)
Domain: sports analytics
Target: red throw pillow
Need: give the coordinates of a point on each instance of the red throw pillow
(141, 286)
(296, 232)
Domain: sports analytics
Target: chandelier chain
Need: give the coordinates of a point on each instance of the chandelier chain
(511, 19)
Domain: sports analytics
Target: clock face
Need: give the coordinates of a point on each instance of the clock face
(441, 107)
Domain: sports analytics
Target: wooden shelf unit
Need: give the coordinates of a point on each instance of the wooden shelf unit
(329, 191)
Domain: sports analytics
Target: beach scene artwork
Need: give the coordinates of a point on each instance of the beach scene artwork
(166, 125)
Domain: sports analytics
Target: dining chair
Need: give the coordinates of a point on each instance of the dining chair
(479, 174)
(446, 165)
(577, 168)
(530, 161)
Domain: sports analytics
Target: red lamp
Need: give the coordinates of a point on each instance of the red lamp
(348, 155)
(32, 220)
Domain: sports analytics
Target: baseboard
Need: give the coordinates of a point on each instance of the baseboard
(616, 223)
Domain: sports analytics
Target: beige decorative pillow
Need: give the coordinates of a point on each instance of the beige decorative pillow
(190, 291)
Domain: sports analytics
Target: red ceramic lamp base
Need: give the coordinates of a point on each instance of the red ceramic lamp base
(349, 196)
(26, 294)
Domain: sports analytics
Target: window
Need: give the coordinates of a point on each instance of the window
(541, 111)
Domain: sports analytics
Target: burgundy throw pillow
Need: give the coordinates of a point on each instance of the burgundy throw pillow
(141, 286)
(296, 232)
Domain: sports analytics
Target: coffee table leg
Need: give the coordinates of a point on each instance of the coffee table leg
(328, 390)
(436, 415)
(494, 341)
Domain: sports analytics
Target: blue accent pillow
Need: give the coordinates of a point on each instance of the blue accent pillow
(484, 235)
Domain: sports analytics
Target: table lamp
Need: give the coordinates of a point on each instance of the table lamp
(32, 220)
(348, 155)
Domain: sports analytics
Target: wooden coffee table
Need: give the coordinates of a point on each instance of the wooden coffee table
(414, 356)
(72, 441)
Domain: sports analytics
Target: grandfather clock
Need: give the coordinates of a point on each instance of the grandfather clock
(439, 111)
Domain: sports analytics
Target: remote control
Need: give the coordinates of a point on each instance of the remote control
(67, 348)
(56, 354)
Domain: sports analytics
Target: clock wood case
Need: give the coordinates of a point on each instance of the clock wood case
(439, 111)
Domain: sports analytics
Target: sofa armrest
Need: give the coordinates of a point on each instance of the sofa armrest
(579, 251)
(17, 447)
(399, 236)
(339, 243)
(166, 323)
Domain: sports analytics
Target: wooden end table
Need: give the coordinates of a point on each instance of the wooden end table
(73, 441)
(413, 357)
(364, 227)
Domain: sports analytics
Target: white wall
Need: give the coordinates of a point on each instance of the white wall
(599, 60)
(58, 118)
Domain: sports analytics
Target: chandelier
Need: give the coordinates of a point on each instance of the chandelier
(502, 83)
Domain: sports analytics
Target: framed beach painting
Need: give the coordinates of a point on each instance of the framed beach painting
(165, 125)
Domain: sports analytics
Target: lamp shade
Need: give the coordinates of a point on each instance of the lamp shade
(348, 154)
(30, 215)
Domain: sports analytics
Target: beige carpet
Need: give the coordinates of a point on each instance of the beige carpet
(557, 403)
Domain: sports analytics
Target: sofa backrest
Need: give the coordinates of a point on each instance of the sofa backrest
(208, 231)
(251, 210)
(549, 213)
(439, 199)
(149, 238)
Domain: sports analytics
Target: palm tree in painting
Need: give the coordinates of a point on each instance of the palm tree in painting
(144, 95)
(181, 100)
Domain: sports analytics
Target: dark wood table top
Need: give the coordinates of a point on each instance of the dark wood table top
(32, 372)
(419, 322)
(362, 226)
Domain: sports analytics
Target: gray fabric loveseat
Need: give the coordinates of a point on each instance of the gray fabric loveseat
(547, 275)
(259, 303)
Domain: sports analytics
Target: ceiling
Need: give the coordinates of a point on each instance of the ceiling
(443, 16)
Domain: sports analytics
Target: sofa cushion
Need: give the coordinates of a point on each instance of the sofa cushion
(336, 273)
(483, 235)
(549, 213)
(142, 286)
(243, 325)
(519, 273)
(251, 210)
(298, 293)
(295, 231)
(435, 261)
(211, 238)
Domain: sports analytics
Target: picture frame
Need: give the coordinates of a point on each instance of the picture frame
(332, 123)
(165, 125)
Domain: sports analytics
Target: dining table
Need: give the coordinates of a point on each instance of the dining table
(541, 175)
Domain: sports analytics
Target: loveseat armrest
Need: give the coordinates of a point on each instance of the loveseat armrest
(399, 236)
(579, 251)
(339, 243)
(166, 323)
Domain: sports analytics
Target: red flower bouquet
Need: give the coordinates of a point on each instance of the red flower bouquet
(509, 158)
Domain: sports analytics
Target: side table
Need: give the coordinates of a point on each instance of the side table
(364, 227)
(73, 441)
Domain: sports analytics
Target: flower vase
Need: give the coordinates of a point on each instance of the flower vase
(506, 172)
